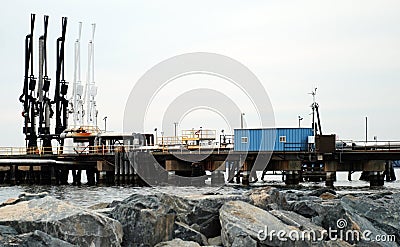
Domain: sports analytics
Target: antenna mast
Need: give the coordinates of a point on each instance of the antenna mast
(315, 109)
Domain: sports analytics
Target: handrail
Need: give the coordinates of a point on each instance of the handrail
(90, 150)
(111, 149)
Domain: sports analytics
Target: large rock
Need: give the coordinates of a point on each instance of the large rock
(187, 233)
(216, 241)
(320, 191)
(177, 242)
(300, 222)
(145, 219)
(246, 225)
(148, 218)
(63, 221)
(24, 197)
(383, 212)
(200, 212)
(270, 198)
(36, 239)
(377, 213)
(263, 198)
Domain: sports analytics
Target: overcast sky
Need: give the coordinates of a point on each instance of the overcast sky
(350, 50)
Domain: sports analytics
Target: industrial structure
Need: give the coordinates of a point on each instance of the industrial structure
(298, 154)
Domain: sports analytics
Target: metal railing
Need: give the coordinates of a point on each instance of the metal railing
(61, 150)
(169, 140)
(200, 134)
(102, 149)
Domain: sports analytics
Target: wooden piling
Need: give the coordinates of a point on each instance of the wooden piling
(116, 168)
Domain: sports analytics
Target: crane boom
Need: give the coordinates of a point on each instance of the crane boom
(61, 85)
(44, 103)
(91, 89)
(27, 98)
(77, 93)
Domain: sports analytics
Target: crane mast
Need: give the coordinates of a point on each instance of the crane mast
(44, 102)
(27, 98)
(91, 89)
(61, 86)
(77, 94)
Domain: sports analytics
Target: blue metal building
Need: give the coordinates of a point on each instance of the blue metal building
(272, 139)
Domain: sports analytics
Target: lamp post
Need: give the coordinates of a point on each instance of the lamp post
(162, 139)
(105, 123)
(201, 137)
(175, 125)
(366, 129)
(300, 118)
(155, 130)
(241, 120)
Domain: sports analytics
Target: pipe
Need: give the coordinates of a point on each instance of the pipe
(37, 161)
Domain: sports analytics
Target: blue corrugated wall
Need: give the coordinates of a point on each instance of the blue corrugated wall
(270, 139)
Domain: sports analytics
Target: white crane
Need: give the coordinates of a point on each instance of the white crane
(91, 88)
(76, 101)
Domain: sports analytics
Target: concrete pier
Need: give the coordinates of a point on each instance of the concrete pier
(121, 167)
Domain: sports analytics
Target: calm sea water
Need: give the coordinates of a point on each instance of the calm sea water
(90, 195)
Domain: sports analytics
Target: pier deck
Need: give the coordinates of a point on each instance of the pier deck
(113, 167)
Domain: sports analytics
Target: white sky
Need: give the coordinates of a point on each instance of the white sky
(350, 50)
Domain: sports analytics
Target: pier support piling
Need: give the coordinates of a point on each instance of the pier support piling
(76, 177)
(330, 168)
(217, 178)
(292, 170)
(292, 177)
(116, 168)
(389, 172)
(376, 179)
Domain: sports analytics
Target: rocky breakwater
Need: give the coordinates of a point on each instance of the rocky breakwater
(50, 222)
(264, 216)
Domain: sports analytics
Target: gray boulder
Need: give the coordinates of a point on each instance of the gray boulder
(40, 239)
(318, 192)
(377, 213)
(186, 233)
(146, 220)
(246, 225)
(24, 196)
(300, 222)
(7, 230)
(216, 241)
(269, 198)
(149, 218)
(305, 208)
(63, 221)
(178, 243)
(200, 212)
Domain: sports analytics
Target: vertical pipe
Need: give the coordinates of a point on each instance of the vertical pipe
(130, 164)
(116, 168)
(366, 129)
(122, 168)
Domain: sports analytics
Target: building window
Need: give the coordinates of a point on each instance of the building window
(244, 139)
(282, 139)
